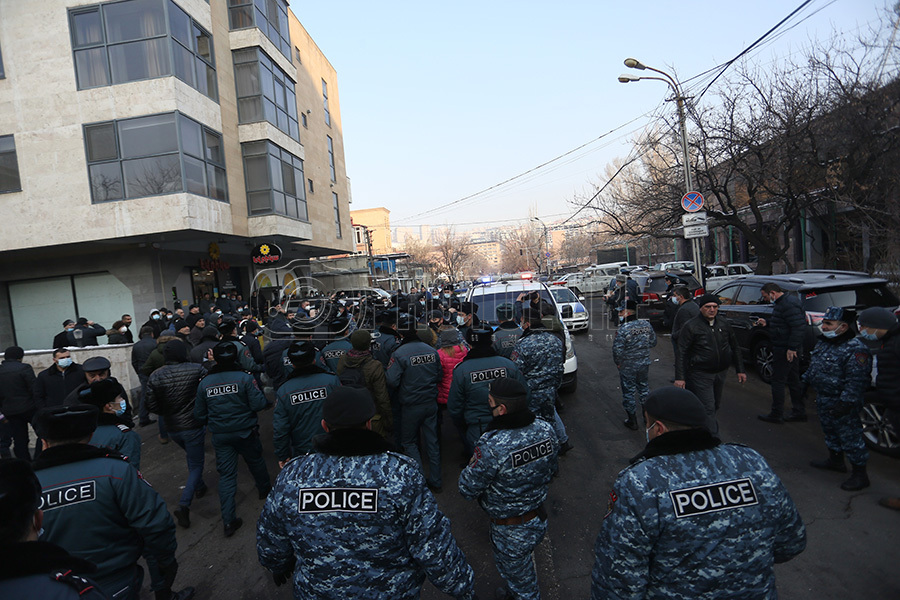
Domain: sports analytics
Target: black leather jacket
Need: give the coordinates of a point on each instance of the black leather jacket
(706, 348)
(171, 391)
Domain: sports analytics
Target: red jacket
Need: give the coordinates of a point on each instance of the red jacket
(448, 363)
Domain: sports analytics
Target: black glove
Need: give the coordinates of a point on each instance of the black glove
(842, 409)
(283, 577)
(169, 572)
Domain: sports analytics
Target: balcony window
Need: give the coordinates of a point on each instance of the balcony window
(270, 16)
(337, 215)
(325, 103)
(331, 158)
(274, 179)
(264, 91)
(154, 155)
(9, 165)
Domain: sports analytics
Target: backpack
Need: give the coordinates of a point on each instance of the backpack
(353, 376)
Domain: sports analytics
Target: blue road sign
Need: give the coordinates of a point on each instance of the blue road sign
(692, 201)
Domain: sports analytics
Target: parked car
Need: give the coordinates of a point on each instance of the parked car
(742, 305)
(655, 293)
(717, 275)
(566, 297)
(676, 265)
(596, 278)
(491, 295)
(878, 432)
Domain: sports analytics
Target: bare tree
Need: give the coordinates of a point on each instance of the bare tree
(522, 249)
(452, 253)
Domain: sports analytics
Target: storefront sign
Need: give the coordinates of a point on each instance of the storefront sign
(208, 264)
(266, 254)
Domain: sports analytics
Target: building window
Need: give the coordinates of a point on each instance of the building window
(9, 165)
(337, 215)
(331, 157)
(297, 54)
(149, 156)
(264, 91)
(2, 72)
(311, 187)
(303, 120)
(118, 42)
(270, 16)
(274, 179)
(325, 103)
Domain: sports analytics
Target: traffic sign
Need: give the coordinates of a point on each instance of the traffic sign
(696, 231)
(697, 218)
(692, 201)
(547, 254)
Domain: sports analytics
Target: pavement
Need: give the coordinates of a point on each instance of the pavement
(851, 550)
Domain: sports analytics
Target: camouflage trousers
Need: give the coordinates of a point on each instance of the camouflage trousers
(844, 433)
(513, 552)
(634, 380)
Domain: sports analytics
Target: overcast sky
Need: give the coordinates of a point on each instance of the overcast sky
(442, 100)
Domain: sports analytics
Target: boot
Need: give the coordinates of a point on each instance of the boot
(565, 448)
(858, 480)
(182, 516)
(230, 528)
(834, 462)
(631, 422)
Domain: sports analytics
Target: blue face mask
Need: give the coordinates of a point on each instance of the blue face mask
(460, 320)
(830, 334)
(65, 363)
(70, 329)
(121, 410)
(867, 335)
(155, 317)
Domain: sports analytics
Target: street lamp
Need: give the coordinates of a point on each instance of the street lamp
(633, 63)
(546, 245)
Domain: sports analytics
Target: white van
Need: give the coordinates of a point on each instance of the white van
(597, 277)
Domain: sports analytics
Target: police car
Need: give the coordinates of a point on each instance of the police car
(566, 298)
(490, 295)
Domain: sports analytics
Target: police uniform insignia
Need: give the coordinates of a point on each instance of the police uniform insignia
(352, 500)
(726, 495)
(123, 428)
(391, 362)
(476, 456)
(74, 493)
(862, 358)
(514, 355)
(610, 503)
(80, 584)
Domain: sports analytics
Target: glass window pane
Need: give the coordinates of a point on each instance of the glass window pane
(191, 137)
(268, 85)
(9, 165)
(278, 202)
(201, 44)
(202, 80)
(251, 148)
(90, 65)
(134, 20)
(250, 110)
(195, 176)
(180, 23)
(291, 207)
(291, 101)
(256, 174)
(283, 121)
(261, 5)
(139, 60)
(101, 142)
(260, 202)
(261, 22)
(244, 55)
(212, 87)
(302, 212)
(295, 131)
(106, 182)
(275, 170)
(287, 176)
(184, 64)
(241, 17)
(247, 79)
(280, 96)
(283, 27)
(269, 111)
(214, 148)
(87, 29)
(216, 178)
(152, 176)
(148, 135)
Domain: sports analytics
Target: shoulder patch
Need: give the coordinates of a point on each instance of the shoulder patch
(862, 358)
(476, 456)
(81, 585)
(123, 428)
(610, 504)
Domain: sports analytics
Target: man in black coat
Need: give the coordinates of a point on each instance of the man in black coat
(786, 329)
(56, 382)
(17, 397)
(687, 310)
(61, 339)
(98, 368)
(85, 333)
(140, 352)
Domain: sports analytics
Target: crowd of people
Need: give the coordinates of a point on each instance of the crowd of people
(359, 392)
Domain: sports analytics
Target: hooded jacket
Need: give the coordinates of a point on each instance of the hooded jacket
(376, 383)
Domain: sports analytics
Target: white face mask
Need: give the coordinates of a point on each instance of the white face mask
(460, 320)
(123, 329)
(65, 363)
(647, 431)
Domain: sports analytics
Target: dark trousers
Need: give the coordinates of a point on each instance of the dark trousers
(786, 374)
(192, 441)
(708, 388)
(5, 440)
(18, 425)
(228, 447)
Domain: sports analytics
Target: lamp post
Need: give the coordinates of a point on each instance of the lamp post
(546, 246)
(633, 63)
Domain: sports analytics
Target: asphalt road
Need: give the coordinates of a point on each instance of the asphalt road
(851, 550)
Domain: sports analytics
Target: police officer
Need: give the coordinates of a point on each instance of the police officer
(631, 353)
(334, 350)
(112, 432)
(509, 474)
(355, 517)
(508, 332)
(467, 317)
(840, 368)
(29, 568)
(467, 401)
(298, 404)
(98, 507)
(303, 333)
(415, 372)
(385, 339)
(227, 402)
(693, 517)
(245, 359)
(540, 355)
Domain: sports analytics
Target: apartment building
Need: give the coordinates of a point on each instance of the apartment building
(376, 224)
(147, 146)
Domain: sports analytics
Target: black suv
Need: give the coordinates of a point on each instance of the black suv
(742, 304)
(655, 306)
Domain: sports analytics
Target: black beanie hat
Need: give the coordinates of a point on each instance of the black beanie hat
(225, 352)
(175, 351)
(676, 405)
(302, 353)
(348, 406)
(60, 423)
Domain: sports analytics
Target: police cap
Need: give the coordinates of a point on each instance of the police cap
(348, 406)
(836, 313)
(60, 423)
(436, 314)
(479, 338)
(101, 393)
(676, 405)
(96, 363)
(507, 388)
(469, 308)
(302, 352)
(338, 325)
(505, 312)
(227, 328)
(225, 352)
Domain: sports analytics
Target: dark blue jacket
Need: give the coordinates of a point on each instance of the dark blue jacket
(228, 401)
(468, 397)
(44, 571)
(113, 434)
(52, 385)
(787, 323)
(384, 341)
(415, 371)
(333, 352)
(298, 410)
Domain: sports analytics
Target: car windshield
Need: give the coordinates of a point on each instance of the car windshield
(863, 296)
(562, 294)
(490, 300)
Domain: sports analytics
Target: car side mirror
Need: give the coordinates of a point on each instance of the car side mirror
(567, 312)
(581, 298)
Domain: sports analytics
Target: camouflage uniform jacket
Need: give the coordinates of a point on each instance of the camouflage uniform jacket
(505, 338)
(631, 348)
(510, 471)
(468, 397)
(361, 524)
(540, 356)
(693, 518)
(839, 369)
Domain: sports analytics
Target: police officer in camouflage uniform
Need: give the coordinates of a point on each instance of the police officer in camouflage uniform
(467, 401)
(692, 517)
(111, 431)
(355, 520)
(298, 403)
(509, 474)
(839, 370)
(540, 355)
(99, 508)
(631, 353)
(508, 332)
(227, 402)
